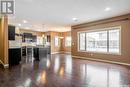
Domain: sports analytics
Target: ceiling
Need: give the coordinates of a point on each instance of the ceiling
(59, 13)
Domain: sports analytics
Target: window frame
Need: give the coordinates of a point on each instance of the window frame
(56, 45)
(39, 40)
(79, 42)
(66, 45)
(98, 30)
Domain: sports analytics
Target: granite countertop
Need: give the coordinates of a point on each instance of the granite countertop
(15, 48)
(41, 47)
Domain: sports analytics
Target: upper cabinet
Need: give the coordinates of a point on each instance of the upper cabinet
(11, 32)
(34, 38)
(48, 38)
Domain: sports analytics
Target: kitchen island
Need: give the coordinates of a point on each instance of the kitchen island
(40, 52)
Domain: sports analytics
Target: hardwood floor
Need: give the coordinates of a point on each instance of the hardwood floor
(60, 70)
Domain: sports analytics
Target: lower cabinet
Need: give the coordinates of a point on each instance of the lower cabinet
(36, 53)
(14, 56)
(40, 52)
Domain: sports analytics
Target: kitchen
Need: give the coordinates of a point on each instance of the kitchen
(28, 43)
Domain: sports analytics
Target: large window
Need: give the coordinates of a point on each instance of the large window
(56, 41)
(68, 41)
(96, 41)
(114, 41)
(39, 40)
(106, 41)
(82, 41)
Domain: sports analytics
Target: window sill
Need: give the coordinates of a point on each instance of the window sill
(94, 52)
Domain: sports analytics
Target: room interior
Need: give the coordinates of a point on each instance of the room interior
(61, 44)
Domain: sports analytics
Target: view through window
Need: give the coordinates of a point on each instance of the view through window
(68, 41)
(107, 41)
(56, 41)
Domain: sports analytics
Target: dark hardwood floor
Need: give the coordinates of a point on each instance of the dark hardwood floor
(61, 70)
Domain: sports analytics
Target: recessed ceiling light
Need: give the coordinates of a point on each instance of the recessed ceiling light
(107, 9)
(74, 19)
(24, 21)
(19, 25)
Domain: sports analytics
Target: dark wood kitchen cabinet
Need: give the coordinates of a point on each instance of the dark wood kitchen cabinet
(40, 52)
(14, 56)
(11, 32)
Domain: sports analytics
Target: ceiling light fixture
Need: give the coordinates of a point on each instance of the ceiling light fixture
(19, 25)
(61, 37)
(74, 19)
(24, 21)
(107, 9)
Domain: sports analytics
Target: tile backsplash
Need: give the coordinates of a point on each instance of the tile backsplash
(17, 43)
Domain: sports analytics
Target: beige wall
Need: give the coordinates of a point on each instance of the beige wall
(53, 47)
(63, 47)
(123, 21)
(4, 41)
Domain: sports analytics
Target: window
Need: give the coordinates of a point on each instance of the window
(56, 41)
(96, 41)
(82, 41)
(68, 41)
(39, 40)
(106, 41)
(114, 41)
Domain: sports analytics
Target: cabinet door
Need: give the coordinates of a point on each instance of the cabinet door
(14, 56)
(11, 32)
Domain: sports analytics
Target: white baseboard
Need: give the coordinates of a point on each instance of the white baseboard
(100, 60)
(55, 52)
(4, 65)
(65, 52)
(61, 52)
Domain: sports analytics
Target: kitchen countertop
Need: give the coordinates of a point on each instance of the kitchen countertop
(15, 48)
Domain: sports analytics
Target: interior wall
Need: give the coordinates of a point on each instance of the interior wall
(61, 48)
(4, 41)
(66, 49)
(112, 22)
(55, 49)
